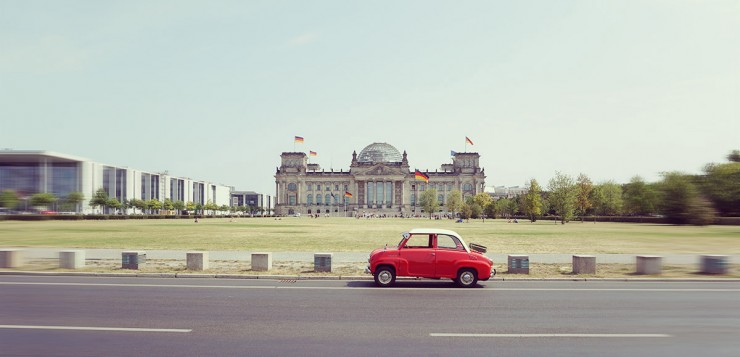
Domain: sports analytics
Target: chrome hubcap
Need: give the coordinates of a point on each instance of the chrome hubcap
(384, 277)
(467, 278)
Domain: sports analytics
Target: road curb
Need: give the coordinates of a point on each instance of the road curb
(341, 277)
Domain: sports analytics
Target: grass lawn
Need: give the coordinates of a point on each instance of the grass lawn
(362, 235)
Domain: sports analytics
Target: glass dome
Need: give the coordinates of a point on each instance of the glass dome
(379, 152)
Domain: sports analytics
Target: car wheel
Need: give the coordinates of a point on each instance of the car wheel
(385, 276)
(467, 278)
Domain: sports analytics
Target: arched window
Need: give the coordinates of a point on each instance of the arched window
(318, 200)
(467, 187)
(327, 199)
(309, 199)
(441, 199)
(291, 187)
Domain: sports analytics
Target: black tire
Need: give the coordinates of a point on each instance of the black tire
(467, 278)
(385, 276)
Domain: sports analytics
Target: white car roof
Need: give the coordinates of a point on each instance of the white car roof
(439, 231)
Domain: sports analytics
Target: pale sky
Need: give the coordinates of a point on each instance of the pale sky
(216, 90)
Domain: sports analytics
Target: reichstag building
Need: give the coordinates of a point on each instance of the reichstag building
(379, 181)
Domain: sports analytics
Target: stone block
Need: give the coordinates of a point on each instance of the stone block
(197, 261)
(261, 261)
(714, 264)
(584, 264)
(133, 260)
(518, 264)
(322, 262)
(11, 258)
(649, 265)
(72, 259)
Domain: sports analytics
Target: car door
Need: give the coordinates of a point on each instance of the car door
(419, 256)
(449, 251)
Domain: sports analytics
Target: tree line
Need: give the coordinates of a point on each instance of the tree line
(679, 197)
(9, 199)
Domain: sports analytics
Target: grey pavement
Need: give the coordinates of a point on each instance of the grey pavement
(351, 257)
(210, 317)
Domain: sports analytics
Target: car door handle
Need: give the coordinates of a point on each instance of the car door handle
(433, 254)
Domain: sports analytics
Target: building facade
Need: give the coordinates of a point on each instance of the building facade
(31, 172)
(379, 181)
(256, 201)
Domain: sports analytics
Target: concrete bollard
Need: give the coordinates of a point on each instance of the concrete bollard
(11, 258)
(322, 262)
(584, 264)
(197, 261)
(649, 265)
(72, 259)
(518, 264)
(133, 260)
(261, 261)
(714, 264)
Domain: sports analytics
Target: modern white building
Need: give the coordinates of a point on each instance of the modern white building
(31, 172)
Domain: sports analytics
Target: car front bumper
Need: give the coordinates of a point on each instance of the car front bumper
(367, 270)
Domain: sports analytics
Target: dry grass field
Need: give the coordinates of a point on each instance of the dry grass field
(362, 235)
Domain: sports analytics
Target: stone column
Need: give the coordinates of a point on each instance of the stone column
(649, 265)
(714, 264)
(584, 264)
(322, 262)
(261, 261)
(197, 260)
(11, 258)
(72, 259)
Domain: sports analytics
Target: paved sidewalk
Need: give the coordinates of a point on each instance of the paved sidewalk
(353, 257)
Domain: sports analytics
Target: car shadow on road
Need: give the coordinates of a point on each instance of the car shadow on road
(416, 284)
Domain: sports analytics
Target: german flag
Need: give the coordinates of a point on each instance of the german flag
(298, 139)
(312, 153)
(467, 140)
(421, 176)
(347, 194)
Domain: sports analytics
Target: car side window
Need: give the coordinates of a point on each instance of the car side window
(448, 242)
(419, 241)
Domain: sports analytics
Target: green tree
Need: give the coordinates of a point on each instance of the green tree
(9, 199)
(639, 197)
(113, 203)
(734, 156)
(428, 201)
(584, 187)
(607, 198)
(482, 199)
(466, 211)
(502, 207)
(562, 197)
(138, 204)
(533, 201)
(210, 206)
(190, 206)
(490, 210)
(74, 199)
(99, 199)
(179, 206)
(454, 201)
(168, 204)
(476, 211)
(721, 185)
(153, 205)
(682, 203)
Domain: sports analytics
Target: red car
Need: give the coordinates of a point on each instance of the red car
(431, 253)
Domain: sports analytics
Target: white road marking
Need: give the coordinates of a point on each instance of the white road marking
(489, 289)
(87, 328)
(544, 335)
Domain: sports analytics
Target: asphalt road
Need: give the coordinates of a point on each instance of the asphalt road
(76, 316)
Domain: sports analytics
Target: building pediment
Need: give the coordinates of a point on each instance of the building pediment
(380, 170)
